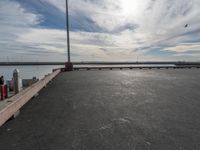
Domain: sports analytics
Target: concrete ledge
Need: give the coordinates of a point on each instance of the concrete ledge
(135, 67)
(12, 105)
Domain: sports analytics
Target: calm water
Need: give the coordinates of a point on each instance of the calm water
(26, 72)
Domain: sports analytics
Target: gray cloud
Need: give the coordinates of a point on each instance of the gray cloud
(111, 30)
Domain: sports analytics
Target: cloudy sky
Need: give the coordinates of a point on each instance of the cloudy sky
(100, 30)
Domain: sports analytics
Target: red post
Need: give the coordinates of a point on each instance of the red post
(6, 91)
(2, 92)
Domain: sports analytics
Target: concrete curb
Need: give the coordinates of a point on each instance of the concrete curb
(13, 104)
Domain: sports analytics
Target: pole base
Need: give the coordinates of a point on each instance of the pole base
(68, 67)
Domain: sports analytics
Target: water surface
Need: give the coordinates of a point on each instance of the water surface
(26, 72)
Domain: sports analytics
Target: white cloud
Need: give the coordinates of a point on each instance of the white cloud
(185, 47)
(84, 46)
(130, 29)
(157, 22)
(12, 14)
(22, 40)
(48, 39)
(14, 21)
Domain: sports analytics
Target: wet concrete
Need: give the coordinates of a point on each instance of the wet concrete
(111, 110)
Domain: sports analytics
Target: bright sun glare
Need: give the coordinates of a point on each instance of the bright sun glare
(132, 7)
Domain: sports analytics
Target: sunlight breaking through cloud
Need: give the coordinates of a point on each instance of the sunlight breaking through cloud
(102, 30)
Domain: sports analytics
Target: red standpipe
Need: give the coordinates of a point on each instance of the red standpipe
(4, 92)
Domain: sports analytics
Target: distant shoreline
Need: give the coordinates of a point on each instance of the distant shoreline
(99, 63)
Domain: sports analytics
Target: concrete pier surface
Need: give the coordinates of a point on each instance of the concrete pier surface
(111, 110)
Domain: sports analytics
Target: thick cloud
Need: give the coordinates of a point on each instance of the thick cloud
(102, 30)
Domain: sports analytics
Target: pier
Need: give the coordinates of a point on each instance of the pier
(110, 85)
(110, 110)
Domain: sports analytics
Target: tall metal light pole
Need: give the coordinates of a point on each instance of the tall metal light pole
(68, 37)
(68, 64)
